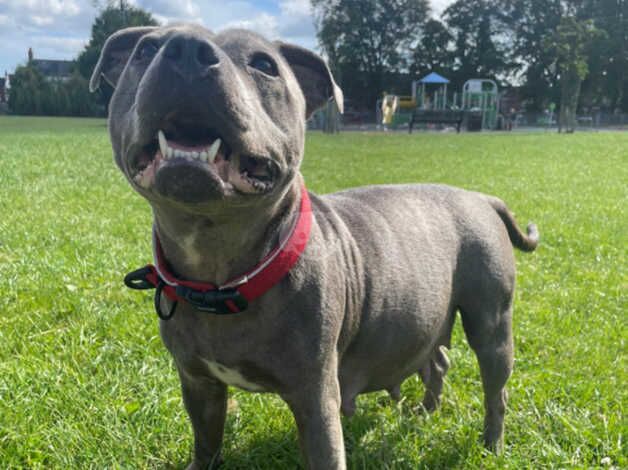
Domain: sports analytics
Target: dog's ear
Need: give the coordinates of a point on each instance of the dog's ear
(313, 75)
(115, 54)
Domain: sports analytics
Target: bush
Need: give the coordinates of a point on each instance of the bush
(32, 94)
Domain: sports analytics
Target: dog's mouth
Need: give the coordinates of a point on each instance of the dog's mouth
(181, 143)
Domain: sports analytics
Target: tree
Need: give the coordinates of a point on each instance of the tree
(528, 23)
(569, 44)
(367, 41)
(32, 94)
(117, 15)
(480, 42)
(28, 87)
(80, 101)
(607, 82)
(432, 52)
(531, 22)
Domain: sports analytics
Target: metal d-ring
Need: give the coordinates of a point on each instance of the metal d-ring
(158, 290)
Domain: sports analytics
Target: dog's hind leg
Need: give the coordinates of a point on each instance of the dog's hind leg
(433, 372)
(490, 336)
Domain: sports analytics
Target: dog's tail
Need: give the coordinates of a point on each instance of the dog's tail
(524, 241)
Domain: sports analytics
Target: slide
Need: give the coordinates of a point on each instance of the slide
(389, 108)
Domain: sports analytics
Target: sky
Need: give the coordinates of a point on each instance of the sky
(59, 29)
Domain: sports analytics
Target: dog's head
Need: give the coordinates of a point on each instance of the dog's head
(198, 118)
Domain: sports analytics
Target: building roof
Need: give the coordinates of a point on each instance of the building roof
(54, 68)
(434, 78)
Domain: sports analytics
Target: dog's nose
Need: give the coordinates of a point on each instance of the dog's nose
(190, 55)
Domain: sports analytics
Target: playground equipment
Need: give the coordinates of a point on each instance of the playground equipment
(431, 92)
(389, 105)
(428, 93)
(482, 95)
(479, 104)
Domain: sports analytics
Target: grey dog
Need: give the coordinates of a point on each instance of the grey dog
(371, 300)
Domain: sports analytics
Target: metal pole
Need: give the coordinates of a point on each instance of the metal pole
(482, 107)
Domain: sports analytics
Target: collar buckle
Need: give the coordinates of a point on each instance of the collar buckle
(220, 302)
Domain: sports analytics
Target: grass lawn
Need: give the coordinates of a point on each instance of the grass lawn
(86, 383)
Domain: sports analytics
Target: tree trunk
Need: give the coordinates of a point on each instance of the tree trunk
(331, 123)
(569, 96)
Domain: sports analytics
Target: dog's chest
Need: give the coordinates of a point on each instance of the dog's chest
(205, 346)
(232, 376)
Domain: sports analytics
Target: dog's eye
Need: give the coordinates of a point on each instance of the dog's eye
(264, 64)
(147, 50)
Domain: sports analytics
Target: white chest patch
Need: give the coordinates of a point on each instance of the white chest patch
(192, 255)
(232, 377)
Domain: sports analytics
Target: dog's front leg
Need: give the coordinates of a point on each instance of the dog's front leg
(316, 410)
(205, 400)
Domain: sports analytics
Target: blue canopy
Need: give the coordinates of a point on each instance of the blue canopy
(434, 78)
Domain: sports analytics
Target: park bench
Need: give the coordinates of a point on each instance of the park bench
(437, 116)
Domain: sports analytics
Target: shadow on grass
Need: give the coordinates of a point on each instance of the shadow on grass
(272, 451)
(371, 443)
(374, 441)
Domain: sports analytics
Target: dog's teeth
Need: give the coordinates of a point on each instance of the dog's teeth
(163, 143)
(167, 151)
(213, 150)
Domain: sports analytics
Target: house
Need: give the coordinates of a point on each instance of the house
(52, 69)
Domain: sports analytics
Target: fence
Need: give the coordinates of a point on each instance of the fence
(354, 120)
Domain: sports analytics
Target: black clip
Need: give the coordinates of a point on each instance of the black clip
(158, 289)
(213, 301)
(138, 279)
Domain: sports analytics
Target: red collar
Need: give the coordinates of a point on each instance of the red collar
(234, 295)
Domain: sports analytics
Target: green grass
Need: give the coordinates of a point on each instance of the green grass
(86, 383)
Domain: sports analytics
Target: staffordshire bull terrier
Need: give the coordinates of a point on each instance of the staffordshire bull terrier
(264, 286)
